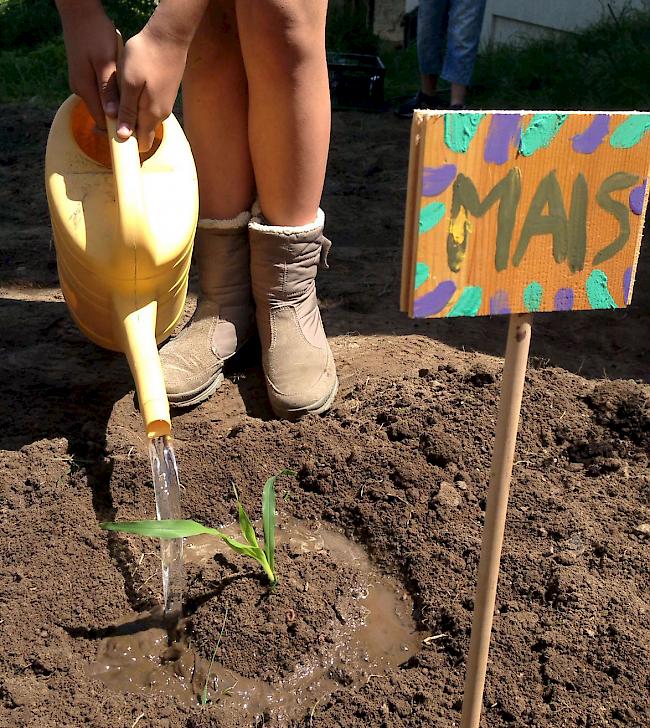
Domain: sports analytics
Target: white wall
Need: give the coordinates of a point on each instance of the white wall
(388, 18)
(508, 20)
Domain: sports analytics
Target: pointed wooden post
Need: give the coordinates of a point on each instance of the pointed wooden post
(512, 388)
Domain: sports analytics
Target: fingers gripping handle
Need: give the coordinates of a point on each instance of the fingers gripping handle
(127, 175)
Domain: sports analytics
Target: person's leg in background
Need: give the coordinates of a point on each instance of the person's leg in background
(432, 29)
(463, 35)
(283, 45)
(431, 32)
(215, 115)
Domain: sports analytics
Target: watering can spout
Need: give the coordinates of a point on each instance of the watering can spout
(138, 329)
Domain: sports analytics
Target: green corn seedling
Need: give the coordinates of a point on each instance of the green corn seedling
(167, 529)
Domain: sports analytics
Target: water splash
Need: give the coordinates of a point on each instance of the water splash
(168, 505)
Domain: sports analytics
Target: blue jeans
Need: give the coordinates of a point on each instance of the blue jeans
(458, 22)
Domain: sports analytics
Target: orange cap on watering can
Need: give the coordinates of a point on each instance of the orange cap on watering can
(123, 229)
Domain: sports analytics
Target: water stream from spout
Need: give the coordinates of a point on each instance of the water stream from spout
(168, 506)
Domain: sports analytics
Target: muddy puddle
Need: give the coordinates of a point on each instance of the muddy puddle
(373, 637)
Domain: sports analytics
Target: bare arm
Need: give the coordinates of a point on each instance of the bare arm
(177, 19)
(89, 38)
(152, 67)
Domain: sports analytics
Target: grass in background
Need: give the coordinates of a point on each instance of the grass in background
(606, 66)
(38, 75)
(402, 72)
(32, 56)
(347, 31)
(27, 23)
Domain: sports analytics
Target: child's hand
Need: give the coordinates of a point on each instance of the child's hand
(91, 48)
(151, 68)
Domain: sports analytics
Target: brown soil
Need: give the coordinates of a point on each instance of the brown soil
(324, 592)
(400, 465)
(272, 631)
(260, 654)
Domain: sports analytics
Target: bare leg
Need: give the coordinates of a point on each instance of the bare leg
(215, 101)
(283, 45)
(429, 83)
(215, 110)
(458, 93)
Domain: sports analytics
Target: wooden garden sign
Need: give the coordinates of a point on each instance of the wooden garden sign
(515, 213)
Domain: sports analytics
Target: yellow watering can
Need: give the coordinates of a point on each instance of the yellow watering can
(123, 229)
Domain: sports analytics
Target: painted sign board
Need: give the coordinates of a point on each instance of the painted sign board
(514, 212)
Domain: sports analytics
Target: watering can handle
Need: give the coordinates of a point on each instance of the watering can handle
(128, 181)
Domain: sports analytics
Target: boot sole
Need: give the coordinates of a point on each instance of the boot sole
(180, 401)
(315, 409)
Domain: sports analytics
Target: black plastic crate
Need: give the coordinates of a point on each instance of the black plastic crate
(356, 81)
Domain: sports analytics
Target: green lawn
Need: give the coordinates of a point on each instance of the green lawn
(606, 66)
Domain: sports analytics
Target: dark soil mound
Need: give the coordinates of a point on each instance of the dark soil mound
(271, 632)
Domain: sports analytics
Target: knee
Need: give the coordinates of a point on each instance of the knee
(283, 34)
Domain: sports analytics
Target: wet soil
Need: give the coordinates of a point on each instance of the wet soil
(270, 654)
(400, 466)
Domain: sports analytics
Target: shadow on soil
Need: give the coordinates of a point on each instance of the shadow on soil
(593, 344)
(59, 385)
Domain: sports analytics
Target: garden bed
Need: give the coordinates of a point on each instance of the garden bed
(399, 467)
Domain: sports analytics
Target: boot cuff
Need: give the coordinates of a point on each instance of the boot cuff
(258, 224)
(235, 223)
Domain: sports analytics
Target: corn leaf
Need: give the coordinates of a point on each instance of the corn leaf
(246, 526)
(160, 529)
(268, 520)
(242, 548)
(268, 517)
(167, 529)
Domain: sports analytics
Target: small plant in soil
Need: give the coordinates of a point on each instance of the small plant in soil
(168, 529)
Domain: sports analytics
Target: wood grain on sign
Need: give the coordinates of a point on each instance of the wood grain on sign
(514, 212)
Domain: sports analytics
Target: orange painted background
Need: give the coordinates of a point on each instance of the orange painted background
(450, 266)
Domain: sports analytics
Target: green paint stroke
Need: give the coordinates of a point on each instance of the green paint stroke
(431, 215)
(460, 129)
(540, 132)
(630, 132)
(533, 294)
(598, 292)
(469, 302)
(421, 274)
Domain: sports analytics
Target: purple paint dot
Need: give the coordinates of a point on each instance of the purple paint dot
(593, 136)
(504, 129)
(637, 198)
(434, 301)
(627, 286)
(563, 300)
(499, 303)
(436, 179)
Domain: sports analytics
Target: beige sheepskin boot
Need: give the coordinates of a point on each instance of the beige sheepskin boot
(223, 321)
(297, 360)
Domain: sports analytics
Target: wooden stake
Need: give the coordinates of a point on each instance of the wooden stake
(512, 387)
